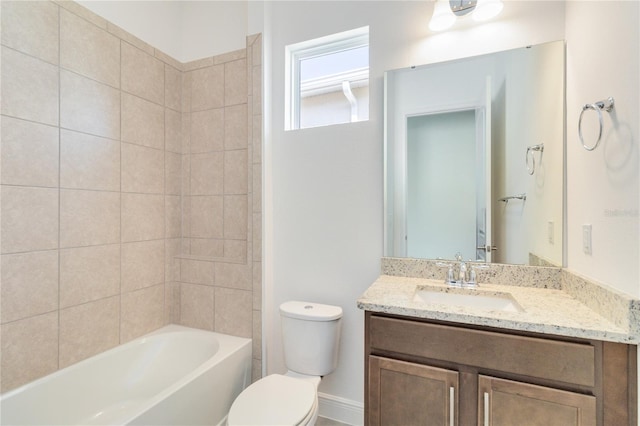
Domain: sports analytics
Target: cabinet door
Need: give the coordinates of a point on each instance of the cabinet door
(506, 403)
(407, 394)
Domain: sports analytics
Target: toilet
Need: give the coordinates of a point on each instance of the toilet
(310, 336)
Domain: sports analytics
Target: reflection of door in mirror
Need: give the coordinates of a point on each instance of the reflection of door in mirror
(522, 95)
(445, 147)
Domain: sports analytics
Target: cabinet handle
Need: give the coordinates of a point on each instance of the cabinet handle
(486, 409)
(452, 406)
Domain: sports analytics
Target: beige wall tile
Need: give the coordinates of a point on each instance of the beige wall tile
(187, 78)
(207, 88)
(89, 218)
(172, 130)
(235, 127)
(257, 285)
(83, 12)
(89, 273)
(142, 264)
(207, 172)
(29, 219)
(196, 306)
(235, 250)
(186, 133)
(257, 236)
(89, 329)
(233, 314)
(256, 89)
(172, 303)
(207, 216)
(172, 88)
(195, 271)
(142, 122)
(172, 248)
(207, 130)
(29, 284)
(197, 64)
(256, 48)
(31, 27)
(168, 60)
(29, 88)
(89, 50)
(235, 172)
(256, 370)
(89, 162)
(256, 131)
(172, 173)
(142, 311)
(129, 38)
(89, 106)
(235, 217)
(142, 74)
(256, 190)
(173, 216)
(142, 217)
(142, 169)
(257, 335)
(230, 56)
(29, 153)
(233, 275)
(235, 82)
(207, 247)
(36, 337)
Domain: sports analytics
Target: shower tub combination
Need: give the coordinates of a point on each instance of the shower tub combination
(173, 376)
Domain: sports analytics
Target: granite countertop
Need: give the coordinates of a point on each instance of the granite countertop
(545, 310)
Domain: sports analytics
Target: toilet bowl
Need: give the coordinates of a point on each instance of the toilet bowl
(310, 335)
(277, 400)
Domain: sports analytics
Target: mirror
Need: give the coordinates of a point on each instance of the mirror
(474, 158)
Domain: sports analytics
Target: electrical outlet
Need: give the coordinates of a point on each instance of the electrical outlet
(586, 239)
(550, 231)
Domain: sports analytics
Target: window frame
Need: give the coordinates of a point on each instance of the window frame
(295, 53)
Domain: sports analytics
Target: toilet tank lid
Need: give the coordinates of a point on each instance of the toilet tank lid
(310, 311)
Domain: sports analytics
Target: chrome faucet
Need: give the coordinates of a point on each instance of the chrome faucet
(467, 275)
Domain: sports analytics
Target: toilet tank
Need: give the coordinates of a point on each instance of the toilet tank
(311, 337)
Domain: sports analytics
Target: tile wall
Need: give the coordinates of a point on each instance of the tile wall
(105, 140)
(220, 265)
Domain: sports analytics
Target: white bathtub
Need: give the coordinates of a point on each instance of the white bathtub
(173, 376)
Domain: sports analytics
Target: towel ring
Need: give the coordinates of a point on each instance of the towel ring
(606, 105)
(531, 169)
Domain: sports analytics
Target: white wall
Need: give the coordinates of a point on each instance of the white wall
(323, 186)
(603, 185)
(185, 30)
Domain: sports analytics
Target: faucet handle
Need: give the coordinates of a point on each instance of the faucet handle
(473, 276)
(450, 278)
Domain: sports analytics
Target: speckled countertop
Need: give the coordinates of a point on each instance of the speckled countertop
(545, 310)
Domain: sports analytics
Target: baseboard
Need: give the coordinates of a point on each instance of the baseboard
(341, 409)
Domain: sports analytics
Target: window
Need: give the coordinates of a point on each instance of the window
(328, 80)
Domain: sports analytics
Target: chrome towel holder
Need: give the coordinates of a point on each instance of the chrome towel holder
(505, 200)
(604, 105)
(530, 149)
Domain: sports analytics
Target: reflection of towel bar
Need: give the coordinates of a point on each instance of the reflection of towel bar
(522, 197)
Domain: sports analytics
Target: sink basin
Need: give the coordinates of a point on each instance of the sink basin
(466, 298)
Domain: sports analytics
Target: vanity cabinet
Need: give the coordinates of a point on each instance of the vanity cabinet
(423, 372)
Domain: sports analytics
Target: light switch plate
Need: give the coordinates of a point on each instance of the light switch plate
(586, 239)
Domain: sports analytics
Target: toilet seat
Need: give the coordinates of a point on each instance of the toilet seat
(274, 400)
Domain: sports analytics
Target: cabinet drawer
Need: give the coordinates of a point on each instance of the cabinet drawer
(572, 363)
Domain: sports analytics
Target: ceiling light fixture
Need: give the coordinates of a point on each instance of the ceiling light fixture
(445, 12)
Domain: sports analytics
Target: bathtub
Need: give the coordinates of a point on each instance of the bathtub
(173, 376)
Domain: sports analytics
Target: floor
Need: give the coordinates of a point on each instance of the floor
(323, 421)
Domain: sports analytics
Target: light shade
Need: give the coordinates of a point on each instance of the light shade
(443, 17)
(487, 9)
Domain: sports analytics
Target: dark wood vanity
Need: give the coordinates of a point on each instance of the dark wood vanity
(426, 372)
